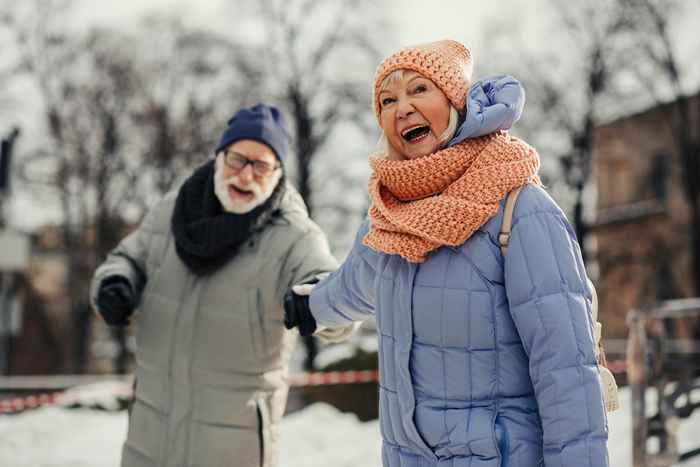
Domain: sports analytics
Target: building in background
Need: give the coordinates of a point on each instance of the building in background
(50, 339)
(641, 233)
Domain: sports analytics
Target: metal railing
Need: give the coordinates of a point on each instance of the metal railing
(663, 355)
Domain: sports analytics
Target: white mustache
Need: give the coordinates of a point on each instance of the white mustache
(253, 187)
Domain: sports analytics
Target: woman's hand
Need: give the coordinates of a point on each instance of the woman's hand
(303, 289)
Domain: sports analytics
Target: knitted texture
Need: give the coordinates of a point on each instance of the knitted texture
(421, 204)
(446, 63)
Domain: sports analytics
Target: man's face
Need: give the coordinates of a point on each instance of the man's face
(247, 173)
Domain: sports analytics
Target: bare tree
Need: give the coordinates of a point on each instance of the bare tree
(86, 85)
(125, 122)
(122, 127)
(5, 68)
(569, 102)
(315, 55)
(9, 63)
(192, 82)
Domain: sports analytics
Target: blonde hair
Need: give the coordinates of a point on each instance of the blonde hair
(445, 137)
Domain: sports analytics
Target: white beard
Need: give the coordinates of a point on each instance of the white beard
(237, 206)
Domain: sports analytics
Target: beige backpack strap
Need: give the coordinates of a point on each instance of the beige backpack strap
(507, 224)
(597, 327)
(608, 383)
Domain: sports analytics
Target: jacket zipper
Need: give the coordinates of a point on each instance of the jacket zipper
(173, 344)
(257, 323)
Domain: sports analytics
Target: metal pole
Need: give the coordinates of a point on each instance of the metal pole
(4, 308)
(636, 374)
(6, 312)
(2, 209)
(6, 276)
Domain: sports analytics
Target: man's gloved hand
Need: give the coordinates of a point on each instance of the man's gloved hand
(115, 300)
(296, 309)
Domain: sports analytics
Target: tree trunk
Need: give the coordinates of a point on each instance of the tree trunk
(305, 150)
(579, 225)
(304, 182)
(695, 245)
(304, 147)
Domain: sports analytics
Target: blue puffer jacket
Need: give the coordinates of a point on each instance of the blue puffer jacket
(483, 360)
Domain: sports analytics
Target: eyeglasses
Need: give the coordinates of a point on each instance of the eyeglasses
(237, 162)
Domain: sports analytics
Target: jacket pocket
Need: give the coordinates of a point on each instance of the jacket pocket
(130, 404)
(263, 429)
(501, 440)
(258, 329)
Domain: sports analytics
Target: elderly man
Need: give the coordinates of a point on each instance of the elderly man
(208, 269)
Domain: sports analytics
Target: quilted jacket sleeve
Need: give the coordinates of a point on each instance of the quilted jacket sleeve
(128, 259)
(310, 258)
(347, 295)
(550, 304)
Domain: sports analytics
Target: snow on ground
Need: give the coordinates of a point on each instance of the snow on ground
(330, 354)
(319, 435)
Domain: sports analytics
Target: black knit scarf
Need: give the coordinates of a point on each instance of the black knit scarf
(206, 236)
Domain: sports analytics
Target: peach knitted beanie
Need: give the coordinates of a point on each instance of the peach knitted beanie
(446, 63)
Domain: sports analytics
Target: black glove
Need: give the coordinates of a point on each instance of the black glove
(298, 313)
(115, 300)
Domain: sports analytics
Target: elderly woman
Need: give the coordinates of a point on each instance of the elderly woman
(485, 359)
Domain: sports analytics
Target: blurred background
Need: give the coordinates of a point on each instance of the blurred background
(105, 107)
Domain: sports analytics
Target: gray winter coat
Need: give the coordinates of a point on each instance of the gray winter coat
(212, 352)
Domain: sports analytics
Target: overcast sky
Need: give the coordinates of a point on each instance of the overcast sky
(410, 22)
(413, 21)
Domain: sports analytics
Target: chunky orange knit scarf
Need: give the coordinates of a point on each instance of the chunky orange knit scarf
(442, 199)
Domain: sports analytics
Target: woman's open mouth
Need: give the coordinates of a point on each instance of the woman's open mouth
(416, 134)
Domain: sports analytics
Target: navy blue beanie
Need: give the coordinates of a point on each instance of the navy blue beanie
(262, 123)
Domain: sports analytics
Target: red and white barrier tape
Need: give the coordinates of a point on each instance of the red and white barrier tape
(333, 377)
(71, 397)
(20, 404)
(62, 398)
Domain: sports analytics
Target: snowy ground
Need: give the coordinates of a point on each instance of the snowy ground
(56, 437)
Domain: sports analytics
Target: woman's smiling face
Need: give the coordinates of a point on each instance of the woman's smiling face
(414, 113)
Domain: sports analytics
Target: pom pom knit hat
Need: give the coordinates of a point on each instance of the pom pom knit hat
(446, 63)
